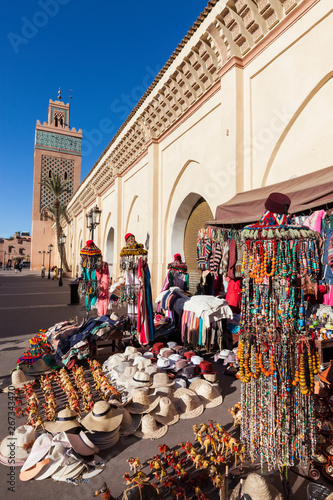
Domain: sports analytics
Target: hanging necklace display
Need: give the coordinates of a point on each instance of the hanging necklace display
(277, 354)
(129, 263)
(91, 257)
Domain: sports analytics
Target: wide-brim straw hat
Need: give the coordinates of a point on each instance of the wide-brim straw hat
(258, 488)
(188, 403)
(69, 471)
(162, 380)
(150, 429)
(30, 473)
(130, 423)
(209, 394)
(152, 369)
(19, 380)
(82, 444)
(39, 368)
(161, 391)
(142, 402)
(104, 417)
(166, 413)
(15, 449)
(40, 448)
(105, 440)
(65, 421)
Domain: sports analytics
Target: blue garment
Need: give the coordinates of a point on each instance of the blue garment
(327, 271)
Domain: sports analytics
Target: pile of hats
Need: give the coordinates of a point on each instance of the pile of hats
(64, 456)
(163, 385)
(230, 361)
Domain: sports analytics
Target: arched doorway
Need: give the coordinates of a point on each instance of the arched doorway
(109, 254)
(191, 216)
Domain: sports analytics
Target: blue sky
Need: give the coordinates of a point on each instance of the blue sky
(107, 52)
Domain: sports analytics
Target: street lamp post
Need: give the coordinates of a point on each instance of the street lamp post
(62, 241)
(50, 247)
(43, 252)
(4, 260)
(93, 219)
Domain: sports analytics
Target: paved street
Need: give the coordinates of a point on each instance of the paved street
(28, 303)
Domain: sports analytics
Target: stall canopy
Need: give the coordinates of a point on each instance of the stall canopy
(306, 192)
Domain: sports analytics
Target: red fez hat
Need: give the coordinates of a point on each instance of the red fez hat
(177, 256)
(278, 203)
(128, 235)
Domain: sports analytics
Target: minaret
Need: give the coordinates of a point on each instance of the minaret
(57, 150)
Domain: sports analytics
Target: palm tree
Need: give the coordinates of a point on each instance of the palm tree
(57, 186)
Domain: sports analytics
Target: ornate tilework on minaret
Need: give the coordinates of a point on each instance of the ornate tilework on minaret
(57, 150)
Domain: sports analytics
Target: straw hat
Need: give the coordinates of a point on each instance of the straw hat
(130, 423)
(166, 413)
(19, 379)
(161, 391)
(258, 488)
(180, 383)
(134, 355)
(172, 345)
(105, 440)
(165, 352)
(39, 368)
(196, 360)
(69, 471)
(130, 350)
(188, 403)
(103, 417)
(66, 420)
(122, 367)
(162, 380)
(152, 369)
(210, 377)
(181, 363)
(113, 360)
(125, 377)
(56, 457)
(30, 473)
(17, 447)
(150, 429)
(38, 451)
(140, 379)
(224, 353)
(142, 402)
(82, 444)
(209, 394)
(163, 363)
(142, 362)
(148, 354)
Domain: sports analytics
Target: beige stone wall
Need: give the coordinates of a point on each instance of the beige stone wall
(261, 115)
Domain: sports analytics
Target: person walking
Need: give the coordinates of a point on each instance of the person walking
(42, 271)
(16, 267)
(20, 266)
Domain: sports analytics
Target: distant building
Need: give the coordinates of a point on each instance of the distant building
(17, 248)
(57, 150)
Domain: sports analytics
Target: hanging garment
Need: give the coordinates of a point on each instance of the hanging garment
(103, 278)
(234, 295)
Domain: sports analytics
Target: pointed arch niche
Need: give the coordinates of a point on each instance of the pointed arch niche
(306, 144)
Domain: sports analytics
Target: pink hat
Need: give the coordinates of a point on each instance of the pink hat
(82, 444)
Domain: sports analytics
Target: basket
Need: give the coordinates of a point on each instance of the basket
(317, 492)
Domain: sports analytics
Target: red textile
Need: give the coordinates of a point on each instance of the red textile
(234, 295)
